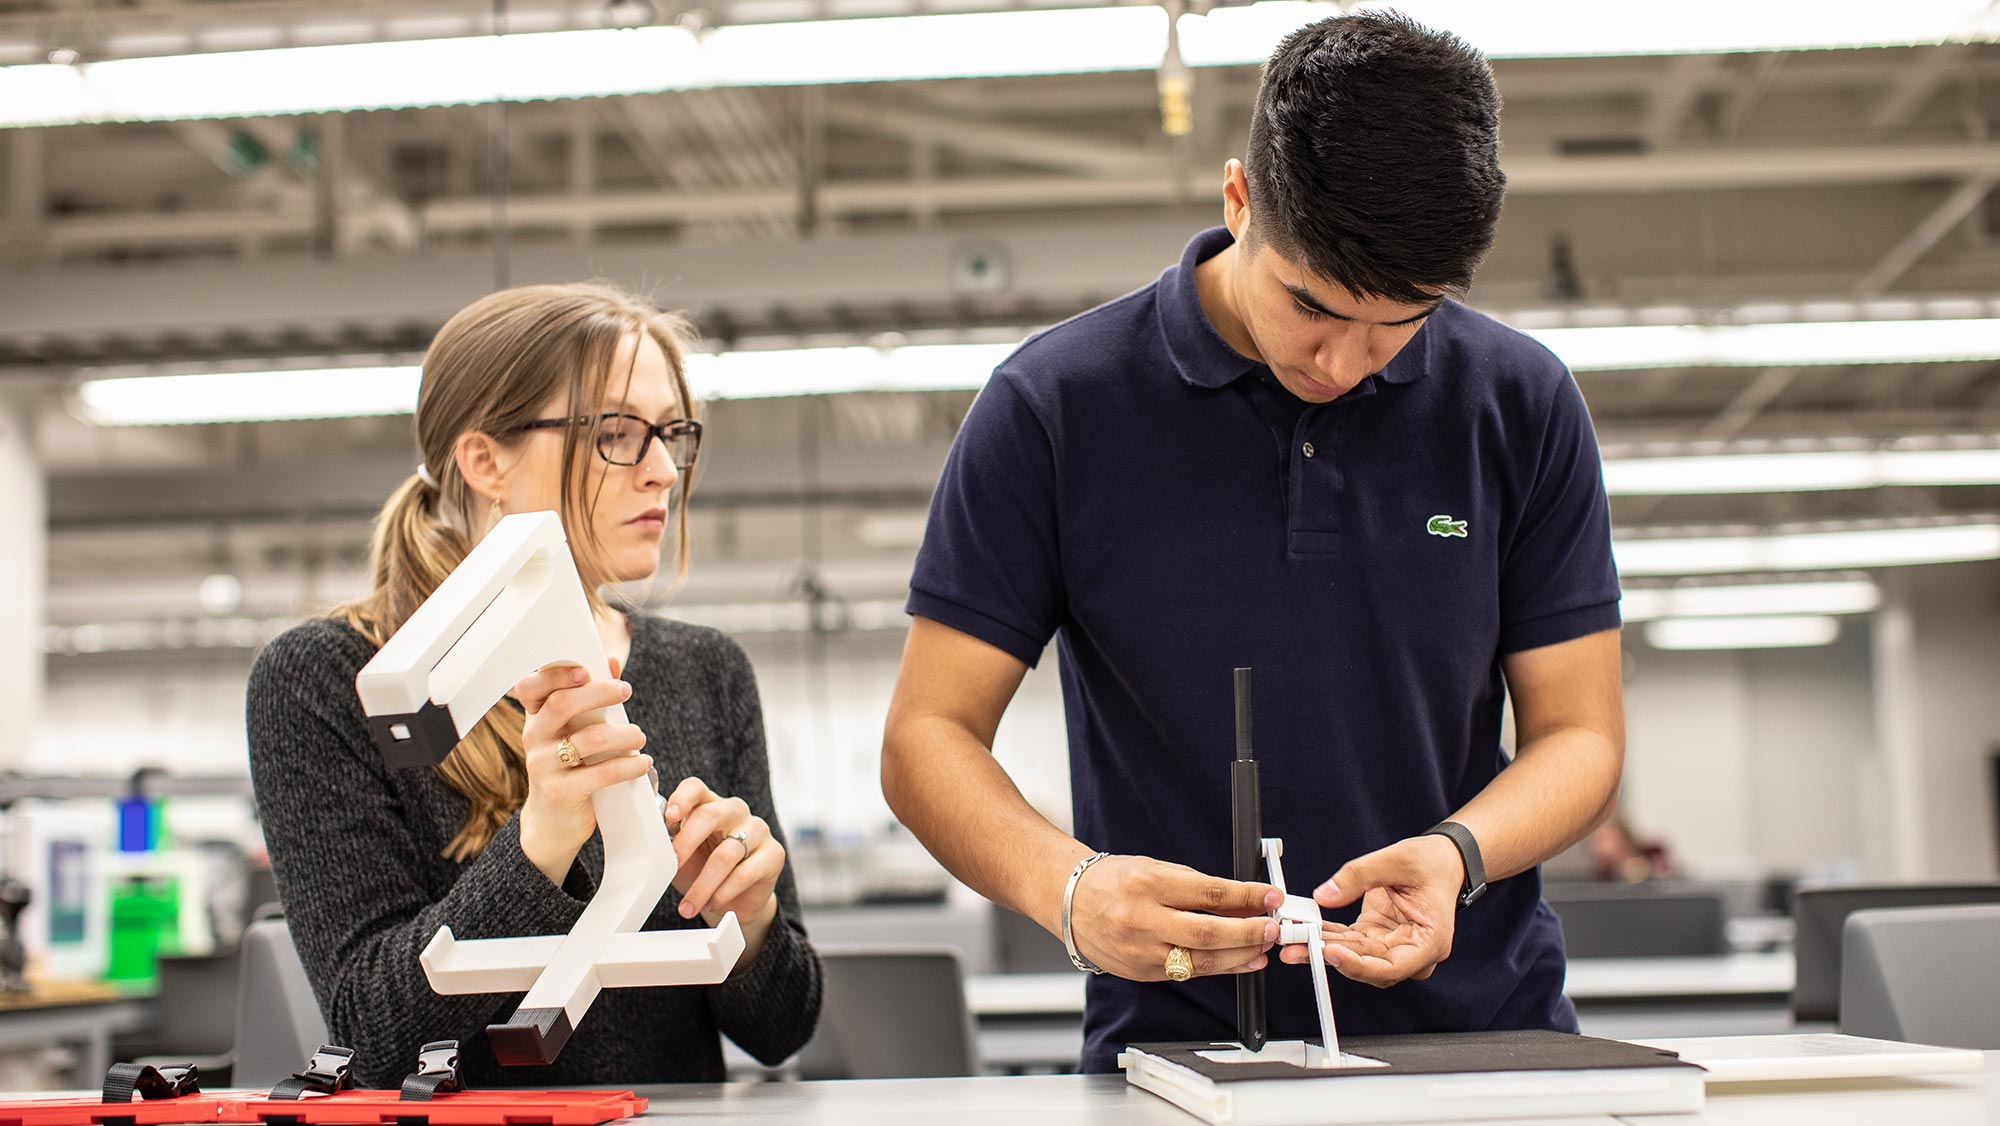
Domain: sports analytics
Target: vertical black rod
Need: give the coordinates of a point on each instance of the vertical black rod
(1246, 823)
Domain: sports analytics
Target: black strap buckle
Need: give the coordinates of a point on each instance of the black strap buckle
(150, 1082)
(437, 1071)
(330, 1071)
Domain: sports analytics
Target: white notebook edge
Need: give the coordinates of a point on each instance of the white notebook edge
(1786, 1056)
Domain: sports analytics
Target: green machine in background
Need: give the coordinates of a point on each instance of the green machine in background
(145, 906)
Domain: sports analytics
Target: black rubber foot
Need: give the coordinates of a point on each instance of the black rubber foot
(532, 1036)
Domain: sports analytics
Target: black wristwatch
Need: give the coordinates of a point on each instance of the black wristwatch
(1468, 851)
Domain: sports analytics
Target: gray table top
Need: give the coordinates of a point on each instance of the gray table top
(1092, 1100)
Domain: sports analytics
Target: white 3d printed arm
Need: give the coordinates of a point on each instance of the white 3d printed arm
(513, 606)
(1299, 921)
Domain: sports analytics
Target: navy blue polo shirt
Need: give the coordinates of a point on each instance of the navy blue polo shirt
(1132, 487)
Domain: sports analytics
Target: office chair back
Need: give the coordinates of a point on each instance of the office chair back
(196, 1003)
(1640, 921)
(1819, 917)
(1922, 974)
(1024, 947)
(891, 1013)
(278, 1023)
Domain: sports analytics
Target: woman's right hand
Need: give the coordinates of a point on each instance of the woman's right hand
(557, 817)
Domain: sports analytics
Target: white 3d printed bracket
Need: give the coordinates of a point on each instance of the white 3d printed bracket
(513, 606)
(1299, 921)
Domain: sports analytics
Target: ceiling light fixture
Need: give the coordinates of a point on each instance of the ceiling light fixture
(1835, 596)
(1742, 633)
(1831, 343)
(271, 396)
(1798, 471)
(1853, 548)
(609, 62)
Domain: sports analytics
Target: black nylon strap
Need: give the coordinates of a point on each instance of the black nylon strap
(437, 1071)
(329, 1071)
(150, 1082)
(1468, 851)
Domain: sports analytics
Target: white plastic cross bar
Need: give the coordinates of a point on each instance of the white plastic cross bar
(1299, 921)
(513, 606)
(630, 959)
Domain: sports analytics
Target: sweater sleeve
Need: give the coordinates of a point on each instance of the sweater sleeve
(346, 860)
(770, 1007)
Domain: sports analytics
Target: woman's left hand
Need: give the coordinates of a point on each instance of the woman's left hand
(728, 859)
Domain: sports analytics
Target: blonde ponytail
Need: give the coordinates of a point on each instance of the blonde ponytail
(413, 550)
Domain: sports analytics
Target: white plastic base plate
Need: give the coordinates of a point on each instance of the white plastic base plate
(1752, 1059)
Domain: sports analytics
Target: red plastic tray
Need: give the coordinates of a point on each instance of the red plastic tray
(77, 1111)
(348, 1108)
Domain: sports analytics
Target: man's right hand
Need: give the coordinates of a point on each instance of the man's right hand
(1129, 911)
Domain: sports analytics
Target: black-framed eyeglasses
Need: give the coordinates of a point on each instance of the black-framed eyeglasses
(623, 439)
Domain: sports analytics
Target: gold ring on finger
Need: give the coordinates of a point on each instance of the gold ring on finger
(567, 754)
(1180, 963)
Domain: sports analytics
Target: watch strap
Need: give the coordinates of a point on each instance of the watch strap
(1468, 851)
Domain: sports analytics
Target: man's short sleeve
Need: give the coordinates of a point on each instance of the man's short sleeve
(990, 565)
(1558, 581)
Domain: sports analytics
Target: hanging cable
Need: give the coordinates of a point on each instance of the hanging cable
(496, 159)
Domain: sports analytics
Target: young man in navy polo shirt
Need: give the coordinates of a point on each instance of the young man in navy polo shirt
(1292, 452)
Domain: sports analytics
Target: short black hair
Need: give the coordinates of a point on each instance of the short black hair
(1374, 156)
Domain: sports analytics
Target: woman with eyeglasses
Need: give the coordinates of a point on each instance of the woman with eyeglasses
(575, 399)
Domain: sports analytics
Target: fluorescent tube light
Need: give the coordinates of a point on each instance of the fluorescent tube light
(825, 371)
(250, 396)
(1629, 347)
(618, 61)
(1841, 596)
(267, 396)
(1742, 633)
(1799, 471)
(1557, 28)
(1849, 549)
(582, 64)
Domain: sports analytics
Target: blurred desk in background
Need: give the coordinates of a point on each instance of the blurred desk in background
(1728, 977)
(1730, 995)
(80, 1015)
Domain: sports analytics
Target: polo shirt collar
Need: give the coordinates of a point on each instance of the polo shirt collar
(1204, 359)
(1200, 354)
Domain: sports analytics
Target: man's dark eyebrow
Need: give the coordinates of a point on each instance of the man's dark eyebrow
(1301, 295)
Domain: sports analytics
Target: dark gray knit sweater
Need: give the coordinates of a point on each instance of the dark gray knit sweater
(357, 850)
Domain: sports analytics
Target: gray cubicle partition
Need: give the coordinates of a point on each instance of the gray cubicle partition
(1923, 975)
(1820, 912)
(1662, 919)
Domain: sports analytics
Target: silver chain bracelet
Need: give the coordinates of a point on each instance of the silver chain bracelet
(1076, 958)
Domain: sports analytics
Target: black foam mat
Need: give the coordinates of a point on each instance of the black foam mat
(1440, 1053)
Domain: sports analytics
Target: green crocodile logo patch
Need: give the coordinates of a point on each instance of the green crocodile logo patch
(1446, 526)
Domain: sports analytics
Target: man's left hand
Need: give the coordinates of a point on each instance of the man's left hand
(1409, 905)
